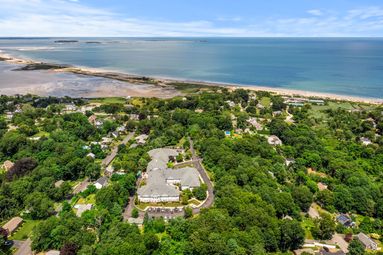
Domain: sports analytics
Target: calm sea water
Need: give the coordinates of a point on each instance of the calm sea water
(341, 66)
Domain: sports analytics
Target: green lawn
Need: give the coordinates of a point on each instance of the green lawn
(25, 230)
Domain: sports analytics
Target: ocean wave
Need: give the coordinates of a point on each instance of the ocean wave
(35, 48)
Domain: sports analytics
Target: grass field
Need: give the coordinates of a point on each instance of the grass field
(41, 134)
(317, 110)
(137, 102)
(25, 230)
(91, 199)
(109, 100)
(307, 225)
(265, 101)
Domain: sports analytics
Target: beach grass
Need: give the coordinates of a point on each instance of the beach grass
(190, 87)
(109, 100)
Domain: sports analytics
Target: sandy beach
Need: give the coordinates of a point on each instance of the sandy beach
(161, 87)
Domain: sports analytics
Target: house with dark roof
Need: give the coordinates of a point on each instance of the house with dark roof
(324, 252)
(345, 220)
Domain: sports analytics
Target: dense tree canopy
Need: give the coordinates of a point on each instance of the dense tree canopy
(261, 201)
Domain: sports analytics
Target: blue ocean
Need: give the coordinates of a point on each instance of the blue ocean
(345, 66)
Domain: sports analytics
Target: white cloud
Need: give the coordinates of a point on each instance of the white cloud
(315, 12)
(72, 18)
(230, 19)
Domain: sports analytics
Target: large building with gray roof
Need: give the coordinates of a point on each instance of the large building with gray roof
(164, 184)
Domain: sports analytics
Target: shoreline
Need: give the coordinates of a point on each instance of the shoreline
(165, 82)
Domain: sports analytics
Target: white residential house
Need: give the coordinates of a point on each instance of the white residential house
(91, 155)
(110, 169)
(141, 139)
(322, 186)
(81, 208)
(98, 123)
(274, 140)
(106, 140)
(121, 129)
(317, 101)
(7, 165)
(70, 108)
(9, 115)
(101, 182)
(277, 113)
(255, 123)
(230, 103)
(136, 221)
(92, 119)
(134, 116)
(260, 106)
(115, 134)
(86, 147)
(289, 161)
(52, 252)
(59, 183)
(34, 138)
(365, 141)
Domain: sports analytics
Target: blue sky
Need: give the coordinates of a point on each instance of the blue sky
(274, 18)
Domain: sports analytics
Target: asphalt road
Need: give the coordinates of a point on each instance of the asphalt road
(210, 189)
(106, 162)
(129, 208)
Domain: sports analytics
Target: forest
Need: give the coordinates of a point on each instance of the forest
(261, 202)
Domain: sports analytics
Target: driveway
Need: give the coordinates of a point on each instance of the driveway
(24, 247)
(129, 208)
(339, 240)
(81, 186)
(313, 212)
